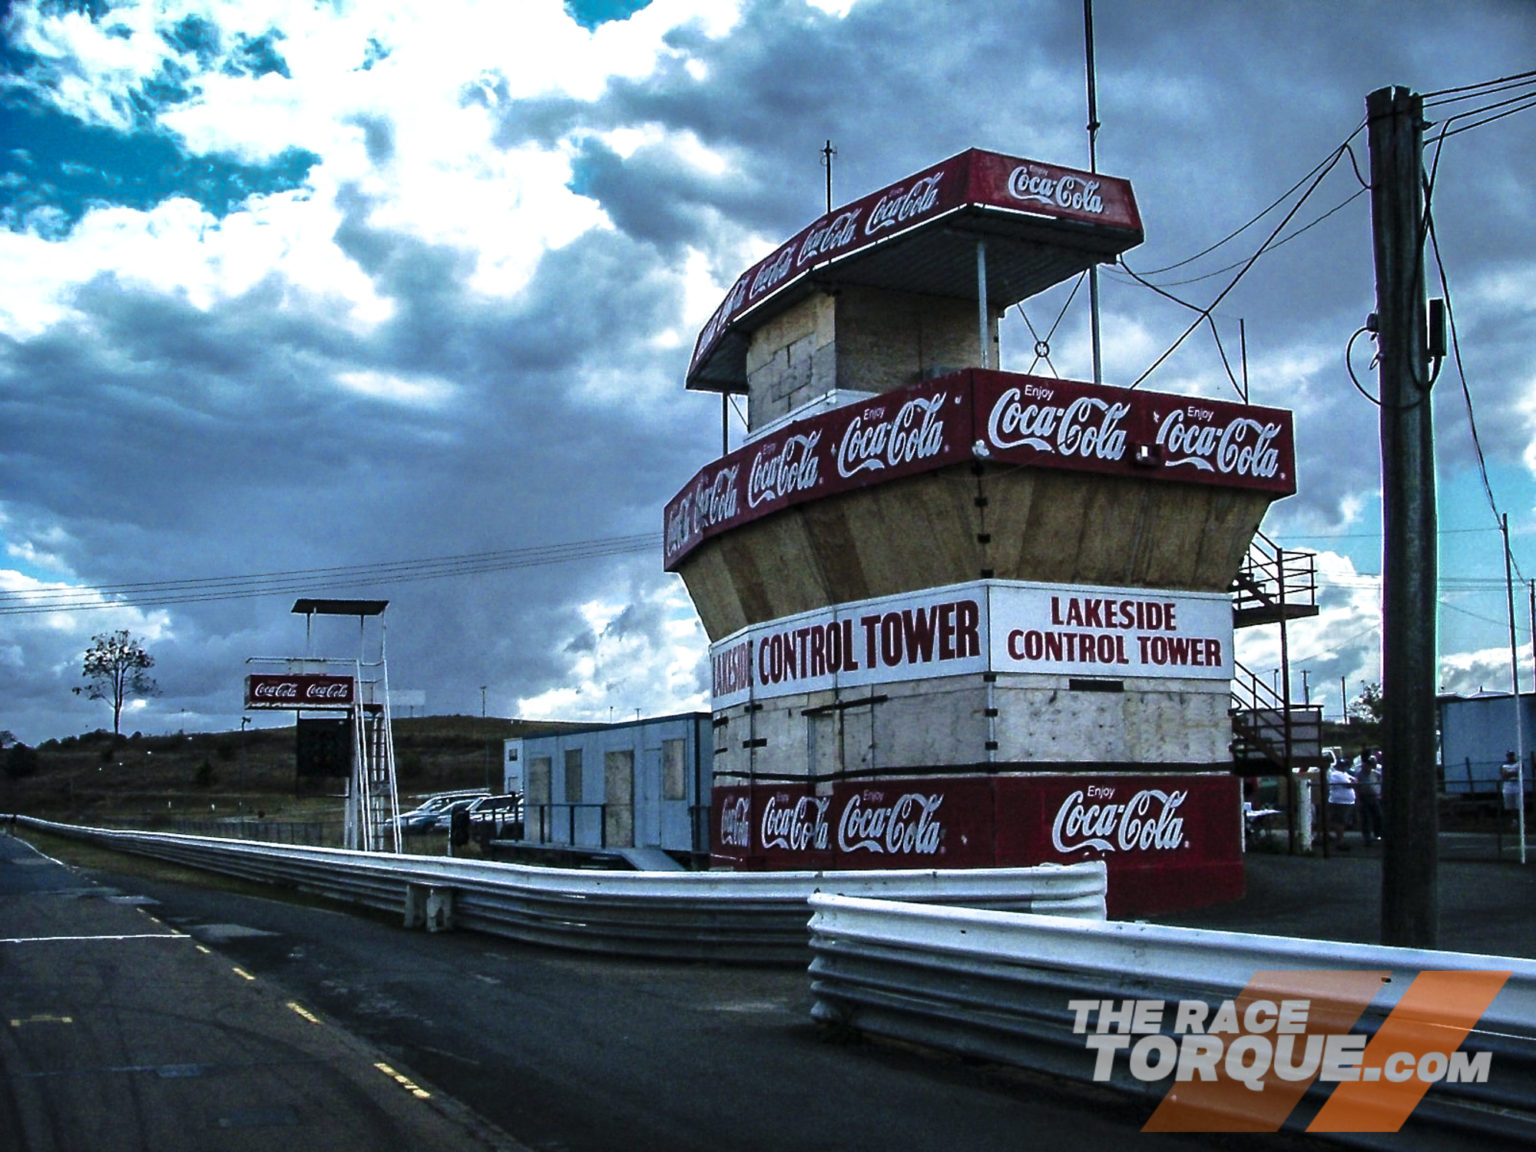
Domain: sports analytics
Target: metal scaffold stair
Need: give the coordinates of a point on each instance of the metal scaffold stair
(1270, 733)
(374, 805)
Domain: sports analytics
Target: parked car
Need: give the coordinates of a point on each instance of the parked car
(426, 815)
(445, 816)
(489, 818)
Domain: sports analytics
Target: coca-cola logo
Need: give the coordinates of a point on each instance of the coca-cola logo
(1031, 417)
(714, 500)
(773, 272)
(782, 471)
(908, 825)
(1191, 437)
(679, 527)
(736, 823)
(900, 203)
(798, 828)
(915, 432)
(1040, 186)
(1147, 822)
(300, 689)
(717, 322)
(840, 230)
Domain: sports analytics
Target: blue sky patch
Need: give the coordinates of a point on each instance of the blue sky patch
(592, 13)
(54, 168)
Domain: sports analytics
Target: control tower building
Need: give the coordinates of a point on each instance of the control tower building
(962, 617)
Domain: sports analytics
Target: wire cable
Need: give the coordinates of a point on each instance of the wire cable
(1327, 167)
(160, 593)
(1482, 88)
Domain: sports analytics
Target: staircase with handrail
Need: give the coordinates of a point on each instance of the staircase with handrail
(1270, 733)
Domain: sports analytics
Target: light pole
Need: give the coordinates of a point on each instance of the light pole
(244, 720)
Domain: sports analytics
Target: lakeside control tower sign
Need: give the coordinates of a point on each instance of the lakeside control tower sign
(985, 627)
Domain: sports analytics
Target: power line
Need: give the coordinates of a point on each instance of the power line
(1236, 232)
(1286, 239)
(159, 593)
(1481, 88)
(1205, 313)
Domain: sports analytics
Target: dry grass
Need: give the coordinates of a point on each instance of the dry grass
(153, 779)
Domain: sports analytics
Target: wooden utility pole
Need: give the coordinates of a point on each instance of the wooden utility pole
(1410, 903)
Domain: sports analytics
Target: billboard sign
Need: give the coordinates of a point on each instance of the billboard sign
(305, 691)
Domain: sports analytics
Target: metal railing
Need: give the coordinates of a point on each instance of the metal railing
(996, 985)
(1274, 582)
(755, 917)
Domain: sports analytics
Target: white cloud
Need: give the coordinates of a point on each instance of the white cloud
(418, 392)
(618, 668)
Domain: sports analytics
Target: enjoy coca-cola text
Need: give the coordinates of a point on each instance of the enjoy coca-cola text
(901, 204)
(1090, 818)
(908, 825)
(799, 827)
(736, 823)
(779, 471)
(915, 432)
(1086, 426)
(1191, 437)
(1040, 186)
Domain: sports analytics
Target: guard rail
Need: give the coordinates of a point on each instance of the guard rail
(751, 917)
(996, 985)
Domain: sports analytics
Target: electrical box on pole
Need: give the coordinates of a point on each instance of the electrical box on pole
(1410, 852)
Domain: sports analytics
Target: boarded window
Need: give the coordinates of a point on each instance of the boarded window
(573, 775)
(619, 797)
(537, 783)
(674, 780)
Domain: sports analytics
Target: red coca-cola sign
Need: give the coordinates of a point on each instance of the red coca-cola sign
(909, 823)
(1098, 428)
(1002, 417)
(1169, 841)
(305, 690)
(900, 433)
(973, 180)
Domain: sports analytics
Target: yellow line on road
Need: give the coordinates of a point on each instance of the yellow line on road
(405, 1082)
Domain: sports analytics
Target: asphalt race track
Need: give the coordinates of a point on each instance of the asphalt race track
(155, 1015)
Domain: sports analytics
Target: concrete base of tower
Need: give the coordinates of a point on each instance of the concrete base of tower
(1170, 840)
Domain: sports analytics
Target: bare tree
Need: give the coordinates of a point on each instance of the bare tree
(115, 668)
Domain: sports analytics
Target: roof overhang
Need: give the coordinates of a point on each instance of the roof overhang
(1040, 225)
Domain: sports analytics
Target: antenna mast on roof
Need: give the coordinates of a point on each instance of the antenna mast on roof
(1093, 166)
(827, 153)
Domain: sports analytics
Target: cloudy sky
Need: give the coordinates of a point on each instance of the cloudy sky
(394, 299)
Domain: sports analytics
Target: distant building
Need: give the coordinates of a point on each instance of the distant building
(641, 784)
(1475, 734)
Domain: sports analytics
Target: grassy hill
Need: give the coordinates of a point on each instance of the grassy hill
(162, 779)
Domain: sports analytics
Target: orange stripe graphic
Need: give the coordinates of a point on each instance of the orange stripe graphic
(1225, 1103)
(1433, 1017)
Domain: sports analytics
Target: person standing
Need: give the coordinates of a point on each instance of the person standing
(1509, 784)
(1341, 802)
(1368, 797)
